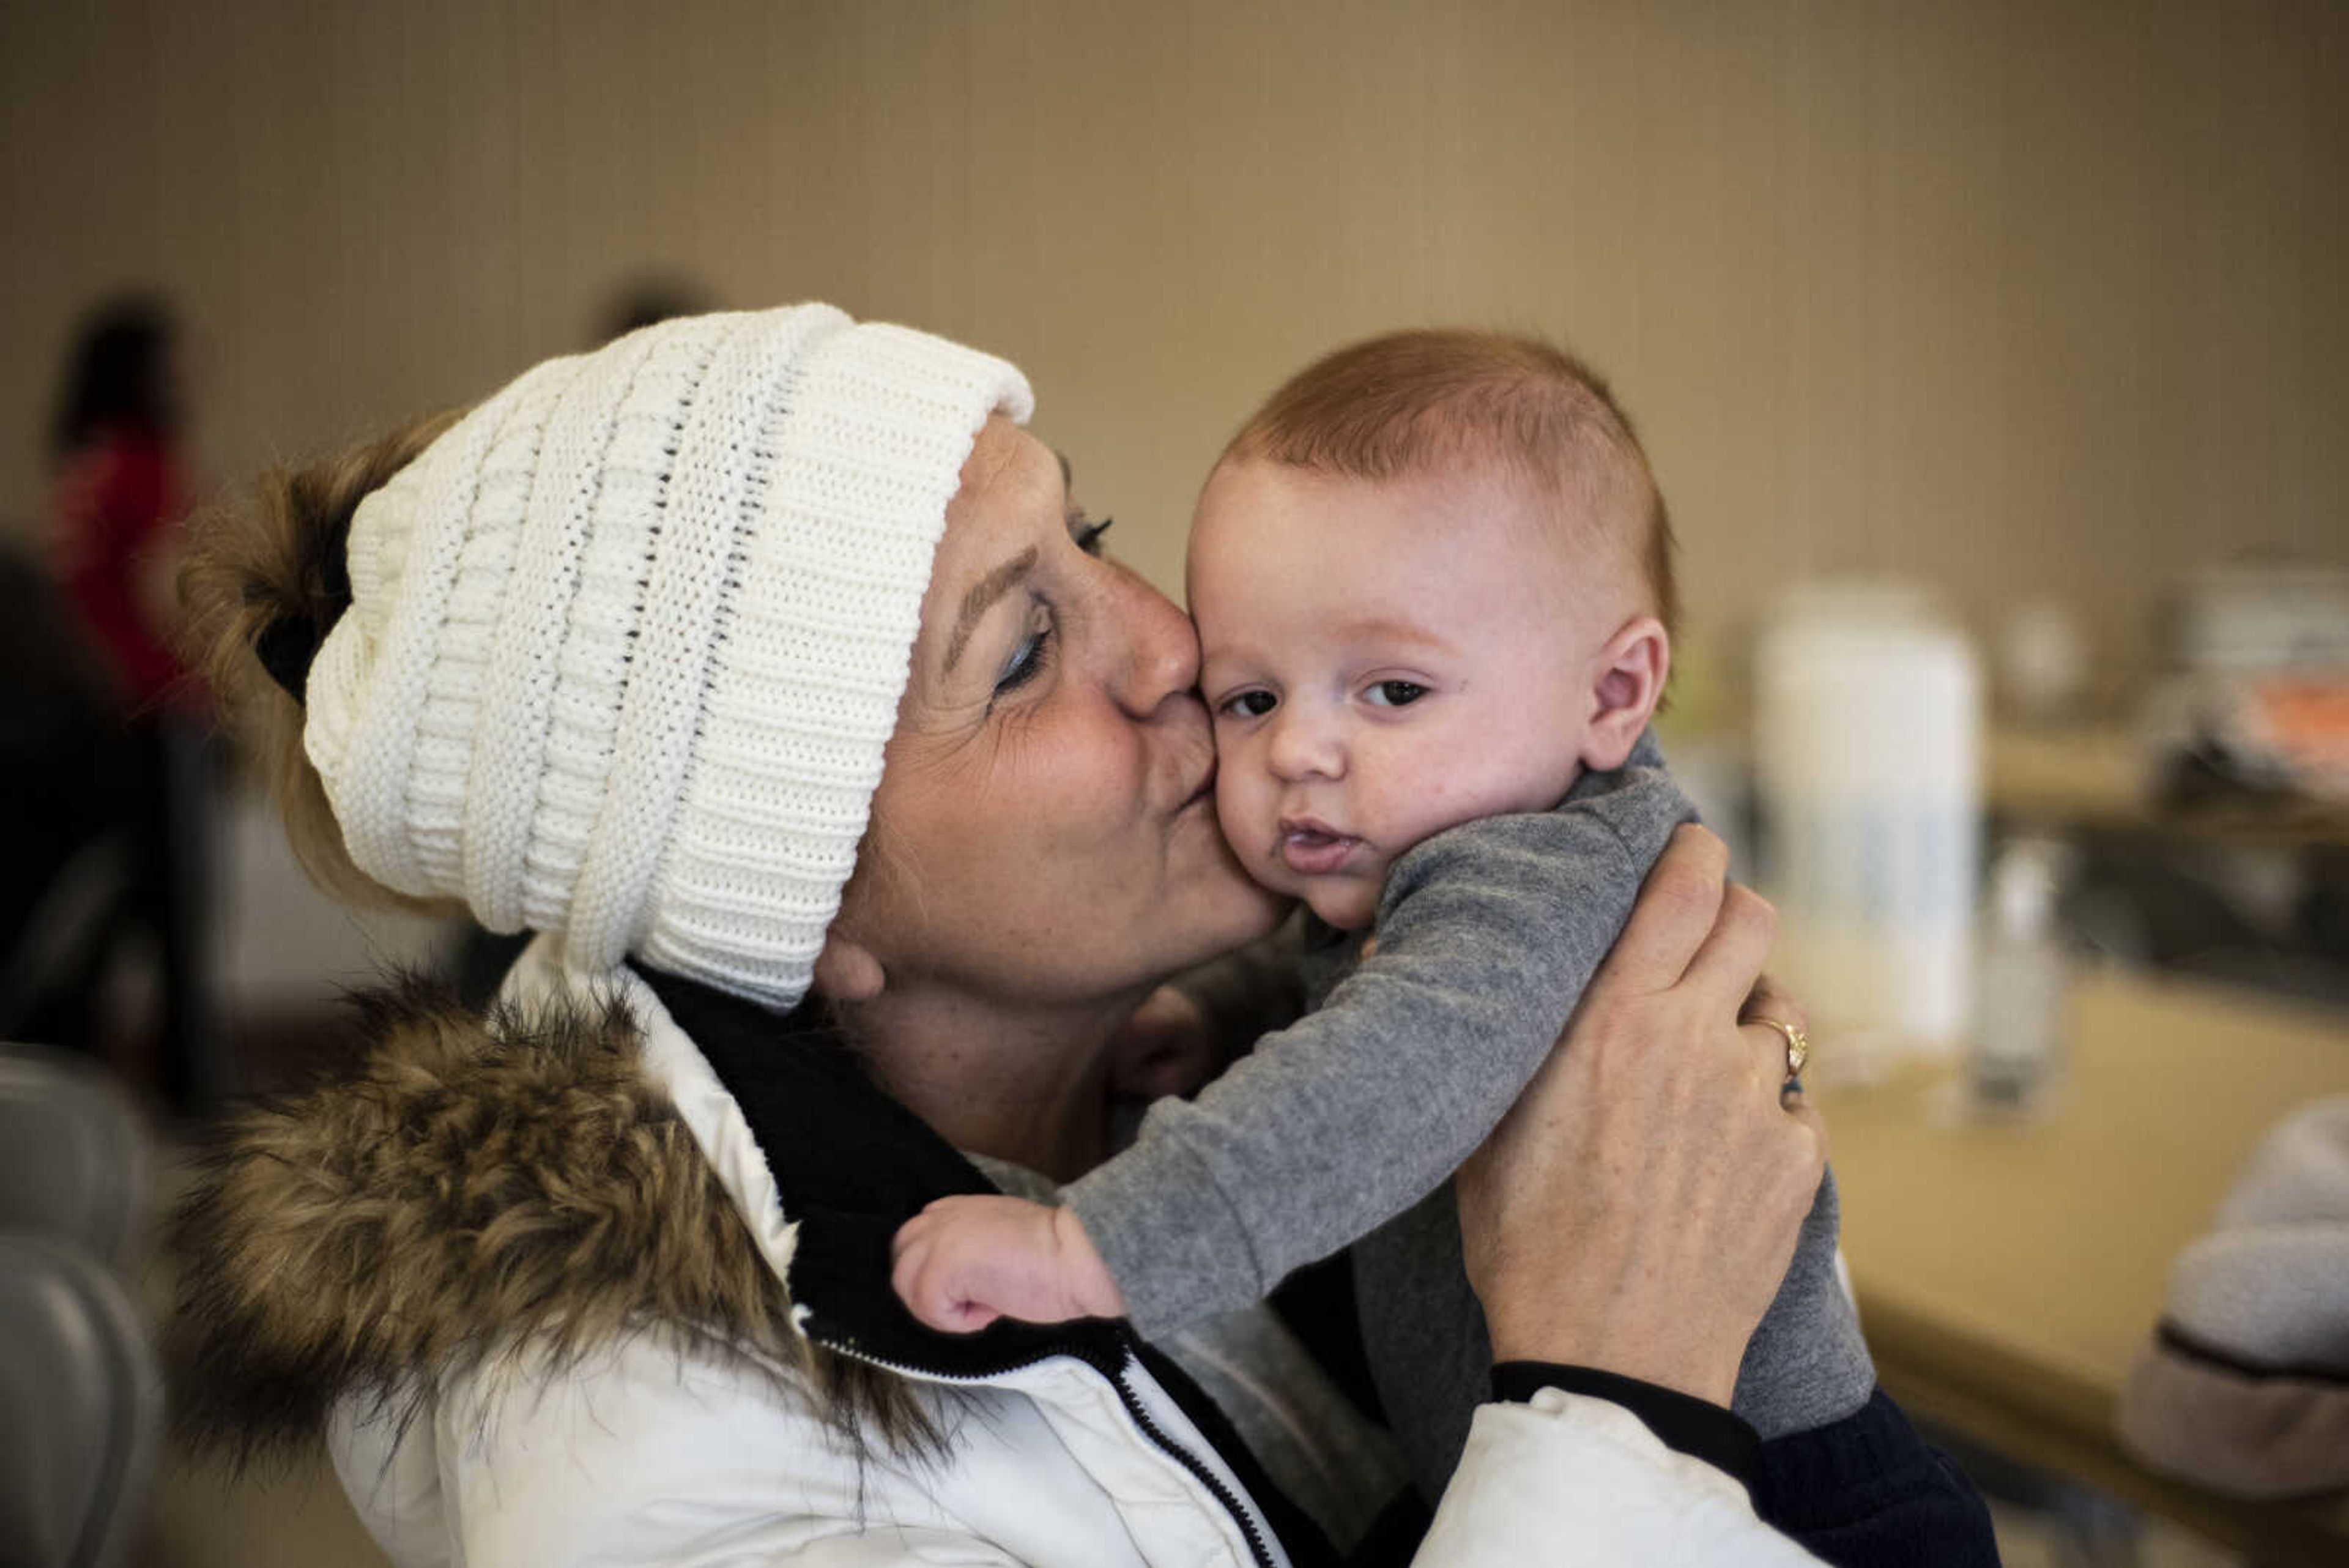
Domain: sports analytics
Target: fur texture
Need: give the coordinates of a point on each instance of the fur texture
(480, 1188)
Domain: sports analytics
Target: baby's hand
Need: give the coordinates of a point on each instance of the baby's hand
(965, 1261)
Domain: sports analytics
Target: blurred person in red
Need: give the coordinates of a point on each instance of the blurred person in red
(119, 485)
(119, 489)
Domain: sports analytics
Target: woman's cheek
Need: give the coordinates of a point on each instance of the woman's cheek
(1085, 785)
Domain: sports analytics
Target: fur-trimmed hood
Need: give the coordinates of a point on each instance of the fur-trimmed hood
(536, 1182)
(479, 1185)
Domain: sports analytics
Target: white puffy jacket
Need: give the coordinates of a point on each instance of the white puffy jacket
(531, 1174)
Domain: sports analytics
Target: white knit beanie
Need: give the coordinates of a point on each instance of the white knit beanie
(625, 643)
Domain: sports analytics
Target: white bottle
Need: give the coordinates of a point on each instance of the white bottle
(1867, 771)
(2020, 977)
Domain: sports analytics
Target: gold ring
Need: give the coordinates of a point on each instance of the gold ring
(1799, 1044)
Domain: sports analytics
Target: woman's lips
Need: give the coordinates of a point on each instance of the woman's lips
(1310, 849)
(1204, 795)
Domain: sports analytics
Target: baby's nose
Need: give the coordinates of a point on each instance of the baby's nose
(1305, 747)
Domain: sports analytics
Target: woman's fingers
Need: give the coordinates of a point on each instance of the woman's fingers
(1799, 1110)
(1770, 1000)
(1768, 1049)
(1725, 968)
(1676, 912)
(1768, 1003)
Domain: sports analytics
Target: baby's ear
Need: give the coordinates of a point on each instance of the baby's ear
(1627, 682)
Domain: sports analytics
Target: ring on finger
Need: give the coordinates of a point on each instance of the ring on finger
(1798, 1045)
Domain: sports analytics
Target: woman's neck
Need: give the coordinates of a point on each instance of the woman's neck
(1026, 1084)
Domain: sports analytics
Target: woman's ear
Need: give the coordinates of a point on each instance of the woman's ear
(846, 970)
(1627, 682)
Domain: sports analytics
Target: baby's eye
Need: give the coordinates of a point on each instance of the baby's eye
(1087, 532)
(1393, 694)
(1250, 704)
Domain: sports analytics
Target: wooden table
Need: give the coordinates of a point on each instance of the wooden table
(2095, 778)
(2009, 1273)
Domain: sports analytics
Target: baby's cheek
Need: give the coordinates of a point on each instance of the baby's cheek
(1238, 811)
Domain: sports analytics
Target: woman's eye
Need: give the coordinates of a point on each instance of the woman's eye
(1394, 693)
(1029, 658)
(1250, 704)
(1087, 532)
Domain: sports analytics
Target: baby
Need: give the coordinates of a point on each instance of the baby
(1433, 583)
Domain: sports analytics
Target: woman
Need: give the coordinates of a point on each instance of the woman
(763, 665)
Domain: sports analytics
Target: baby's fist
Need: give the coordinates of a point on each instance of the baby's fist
(965, 1261)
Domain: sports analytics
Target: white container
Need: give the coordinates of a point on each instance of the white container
(2020, 977)
(1868, 776)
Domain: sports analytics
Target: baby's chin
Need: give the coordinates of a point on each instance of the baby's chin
(1350, 904)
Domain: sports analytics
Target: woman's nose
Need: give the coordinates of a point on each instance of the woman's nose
(1162, 650)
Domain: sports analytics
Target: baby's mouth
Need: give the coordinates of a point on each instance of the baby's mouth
(1313, 849)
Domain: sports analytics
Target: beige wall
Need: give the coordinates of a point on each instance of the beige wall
(2020, 296)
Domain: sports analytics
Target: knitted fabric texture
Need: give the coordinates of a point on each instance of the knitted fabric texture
(2245, 1387)
(626, 644)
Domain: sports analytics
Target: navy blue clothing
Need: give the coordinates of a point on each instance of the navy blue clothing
(1868, 1492)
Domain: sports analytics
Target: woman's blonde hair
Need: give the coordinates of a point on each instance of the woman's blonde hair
(276, 556)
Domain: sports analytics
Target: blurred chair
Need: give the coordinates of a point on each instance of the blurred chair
(54, 963)
(81, 1408)
(74, 1163)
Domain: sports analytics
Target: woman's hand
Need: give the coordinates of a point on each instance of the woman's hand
(1636, 1210)
(1163, 1049)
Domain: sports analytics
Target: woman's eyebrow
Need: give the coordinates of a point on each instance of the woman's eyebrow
(983, 593)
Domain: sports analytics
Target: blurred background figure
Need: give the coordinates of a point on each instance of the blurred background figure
(118, 483)
(2244, 1387)
(647, 299)
(107, 845)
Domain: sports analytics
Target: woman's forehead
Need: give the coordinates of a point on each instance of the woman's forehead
(1012, 484)
(1012, 495)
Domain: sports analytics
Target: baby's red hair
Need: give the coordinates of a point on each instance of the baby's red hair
(1424, 400)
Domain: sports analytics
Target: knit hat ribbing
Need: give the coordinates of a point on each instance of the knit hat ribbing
(627, 642)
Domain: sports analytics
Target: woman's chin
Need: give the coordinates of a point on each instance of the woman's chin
(1235, 909)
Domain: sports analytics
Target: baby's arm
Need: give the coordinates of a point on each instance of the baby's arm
(1488, 935)
(968, 1260)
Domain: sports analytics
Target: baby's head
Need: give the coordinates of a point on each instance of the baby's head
(1433, 581)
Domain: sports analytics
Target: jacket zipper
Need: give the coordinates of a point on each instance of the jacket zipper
(1193, 1463)
(1127, 1397)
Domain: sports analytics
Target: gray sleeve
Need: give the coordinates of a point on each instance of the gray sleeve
(1487, 936)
